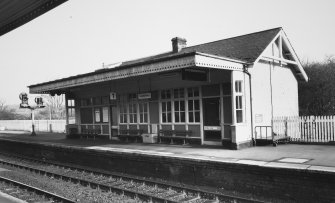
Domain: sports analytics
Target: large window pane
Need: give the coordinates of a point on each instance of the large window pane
(86, 116)
(166, 112)
(105, 114)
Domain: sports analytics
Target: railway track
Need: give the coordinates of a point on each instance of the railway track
(136, 188)
(28, 193)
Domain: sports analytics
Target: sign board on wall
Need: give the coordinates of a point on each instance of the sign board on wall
(258, 118)
(144, 95)
(112, 96)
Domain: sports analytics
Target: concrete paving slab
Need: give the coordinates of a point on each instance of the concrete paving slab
(251, 162)
(286, 165)
(322, 168)
(293, 160)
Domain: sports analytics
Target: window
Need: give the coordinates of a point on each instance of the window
(193, 105)
(86, 102)
(179, 111)
(71, 111)
(132, 97)
(132, 113)
(97, 115)
(143, 112)
(166, 112)
(105, 114)
(86, 115)
(179, 105)
(123, 113)
(178, 93)
(165, 94)
(105, 100)
(193, 92)
(193, 111)
(239, 101)
(97, 100)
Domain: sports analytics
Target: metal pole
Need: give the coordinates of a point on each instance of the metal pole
(32, 125)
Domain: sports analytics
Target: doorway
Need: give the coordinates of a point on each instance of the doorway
(212, 122)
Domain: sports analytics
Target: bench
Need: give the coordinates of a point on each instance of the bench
(130, 133)
(90, 133)
(183, 135)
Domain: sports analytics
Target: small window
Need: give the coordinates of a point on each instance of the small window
(178, 93)
(193, 92)
(132, 97)
(70, 103)
(238, 86)
(239, 110)
(97, 100)
(166, 94)
(239, 101)
(86, 102)
(105, 100)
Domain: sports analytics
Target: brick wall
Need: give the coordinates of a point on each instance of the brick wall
(282, 184)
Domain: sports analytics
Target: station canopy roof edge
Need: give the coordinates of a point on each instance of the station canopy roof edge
(128, 69)
(15, 13)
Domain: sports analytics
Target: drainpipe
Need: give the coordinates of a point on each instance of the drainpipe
(245, 70)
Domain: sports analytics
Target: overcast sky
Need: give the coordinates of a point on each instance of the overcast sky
(80, 35)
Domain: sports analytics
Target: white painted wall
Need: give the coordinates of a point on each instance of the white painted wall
(285, 92)
(57, 126)
(241, 132)
(284, 87)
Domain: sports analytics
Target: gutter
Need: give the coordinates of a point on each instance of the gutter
(245, 70)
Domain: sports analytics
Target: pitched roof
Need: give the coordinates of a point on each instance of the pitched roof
(246, 48)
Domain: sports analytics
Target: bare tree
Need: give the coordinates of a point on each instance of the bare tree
(55, 105)
(3, 105)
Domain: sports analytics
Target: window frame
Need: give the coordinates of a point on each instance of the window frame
(143, 114)
(71, 111)
(239, 104)
(179, 98)
(193, 97)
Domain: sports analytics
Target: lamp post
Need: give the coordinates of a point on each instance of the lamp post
(24, 104)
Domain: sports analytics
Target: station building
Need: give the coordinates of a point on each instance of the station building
(217, 92)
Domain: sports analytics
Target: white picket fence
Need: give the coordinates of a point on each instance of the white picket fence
(307, 129)
(57, 126)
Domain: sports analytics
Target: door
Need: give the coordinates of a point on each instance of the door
(212, 124)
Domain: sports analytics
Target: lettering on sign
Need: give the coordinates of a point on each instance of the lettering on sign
(217, 128)
(144, 95)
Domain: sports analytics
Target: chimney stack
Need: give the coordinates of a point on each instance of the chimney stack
(177, 44)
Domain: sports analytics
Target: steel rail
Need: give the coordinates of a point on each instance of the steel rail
(37, 191)
(181, 189)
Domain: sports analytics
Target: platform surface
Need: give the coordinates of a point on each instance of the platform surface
(296, 156)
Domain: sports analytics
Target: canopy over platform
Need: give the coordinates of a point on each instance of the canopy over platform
(14, 13)
(193, 60)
